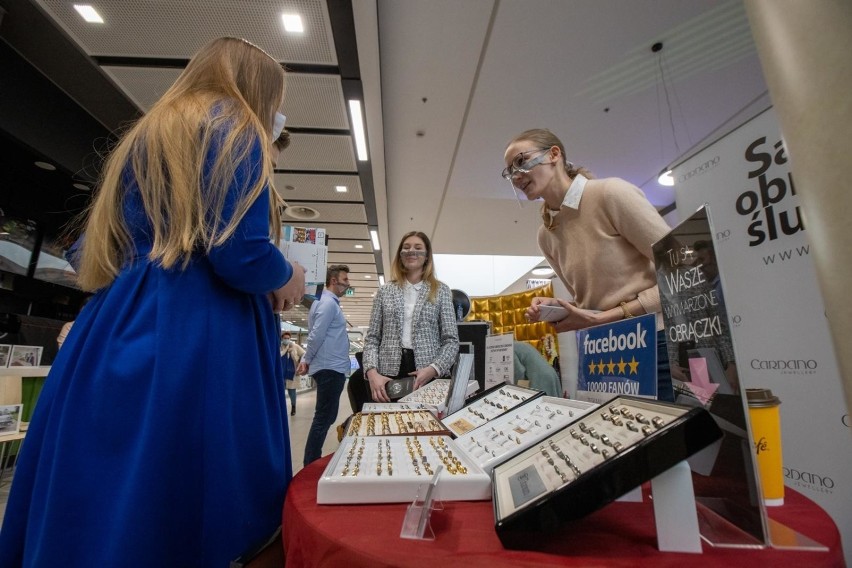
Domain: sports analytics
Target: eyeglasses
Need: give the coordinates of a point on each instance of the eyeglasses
(412, 252)
(521, 164)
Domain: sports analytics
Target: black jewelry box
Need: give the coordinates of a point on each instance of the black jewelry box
(590, 463)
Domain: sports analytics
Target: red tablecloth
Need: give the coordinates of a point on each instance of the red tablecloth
(620, 534)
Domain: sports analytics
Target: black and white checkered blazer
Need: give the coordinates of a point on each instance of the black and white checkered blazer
(434, 335)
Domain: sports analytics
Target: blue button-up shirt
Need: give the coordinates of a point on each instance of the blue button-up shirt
(328, 341)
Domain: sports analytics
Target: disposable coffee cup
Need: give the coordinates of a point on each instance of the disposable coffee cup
(765, 416)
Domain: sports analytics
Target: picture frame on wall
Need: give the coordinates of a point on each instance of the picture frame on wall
(5, 355)
(10, 419)
(25, 356)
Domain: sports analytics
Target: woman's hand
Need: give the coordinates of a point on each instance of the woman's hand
(290, 294)
(302, 369)
(533, 314)
(423, 376)
(577, 318)
(377, 386)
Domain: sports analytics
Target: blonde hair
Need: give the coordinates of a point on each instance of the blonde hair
(544, 138)
(398, 268)
(225, 99)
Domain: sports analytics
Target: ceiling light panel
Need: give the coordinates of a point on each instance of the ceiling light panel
(315, 187)
(344, 230)
(357, 267)
(143, 85)
(319, 152)
(338, 245)
(336, 212)
(183, 28)
(351, 257)
(315, 101)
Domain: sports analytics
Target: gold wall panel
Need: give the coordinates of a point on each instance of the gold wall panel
(506, 314)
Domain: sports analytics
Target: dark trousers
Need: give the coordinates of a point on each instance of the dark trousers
(292, 393)
(329, 387)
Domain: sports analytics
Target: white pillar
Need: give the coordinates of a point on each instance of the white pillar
(804, 49)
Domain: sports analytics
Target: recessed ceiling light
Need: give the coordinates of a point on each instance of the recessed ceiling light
(381, 279)
(542, 271)
(45, 166)
(367, 276)
(341, 188)
(301, 212)
(666, 178)
(374, 236)
(82, 187)
(89, 13)
(292, 23)
(359, 246)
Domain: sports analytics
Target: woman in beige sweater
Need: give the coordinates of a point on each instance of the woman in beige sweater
(597, 236)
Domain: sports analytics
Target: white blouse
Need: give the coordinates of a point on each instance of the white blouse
(409, 293)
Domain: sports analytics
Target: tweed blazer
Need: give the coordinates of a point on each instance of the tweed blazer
(434, 334)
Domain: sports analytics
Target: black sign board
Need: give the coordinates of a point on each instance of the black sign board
(704, 373)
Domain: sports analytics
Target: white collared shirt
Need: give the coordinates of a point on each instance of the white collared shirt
(573, 195)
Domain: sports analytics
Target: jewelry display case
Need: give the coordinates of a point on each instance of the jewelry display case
(591, 462)
(390, 469)
(487, 406)
(419, 422)
(515, 431)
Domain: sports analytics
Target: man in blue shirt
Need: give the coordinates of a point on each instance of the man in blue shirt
(327, 356)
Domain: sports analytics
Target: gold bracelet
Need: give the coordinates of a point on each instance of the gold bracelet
(627, 314)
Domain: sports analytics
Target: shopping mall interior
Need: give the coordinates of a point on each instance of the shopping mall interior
(399, 113)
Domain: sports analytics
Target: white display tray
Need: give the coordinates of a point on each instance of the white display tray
(391, 406)
(402, 486)
(488, 406)
(525, 426)
(434, 394)
(400, 422)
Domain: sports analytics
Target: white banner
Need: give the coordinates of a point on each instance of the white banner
(781, 336)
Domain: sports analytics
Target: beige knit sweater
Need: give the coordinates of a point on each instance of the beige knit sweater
(602, 250)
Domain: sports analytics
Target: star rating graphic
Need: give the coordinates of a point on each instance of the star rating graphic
(597, 368)
(634, 366)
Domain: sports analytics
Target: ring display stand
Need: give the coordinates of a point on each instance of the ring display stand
(417, 523)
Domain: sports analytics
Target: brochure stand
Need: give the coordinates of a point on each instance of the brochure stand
(417, 523)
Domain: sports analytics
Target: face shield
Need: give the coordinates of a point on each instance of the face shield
(522, 163)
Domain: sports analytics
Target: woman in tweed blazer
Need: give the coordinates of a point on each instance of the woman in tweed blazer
(412, 326)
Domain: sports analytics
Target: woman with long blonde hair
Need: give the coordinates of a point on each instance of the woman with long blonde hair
(161, 436)
(413, 331)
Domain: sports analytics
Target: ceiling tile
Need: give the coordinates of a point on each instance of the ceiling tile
(316, 187)
(182, 27)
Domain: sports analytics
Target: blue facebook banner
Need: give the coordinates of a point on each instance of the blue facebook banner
(618, 358)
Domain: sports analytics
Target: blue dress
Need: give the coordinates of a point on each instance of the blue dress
(161, 438)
